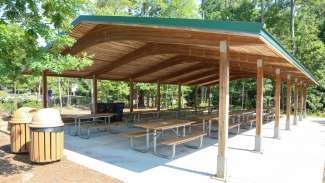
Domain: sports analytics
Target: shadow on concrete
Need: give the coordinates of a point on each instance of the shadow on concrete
(115, 150)
(254, 136)
(189, 170)
(320, 121)
(241, 149)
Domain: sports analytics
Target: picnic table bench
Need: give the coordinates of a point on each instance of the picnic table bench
(155, 126)
(90, 121)
(182, 140)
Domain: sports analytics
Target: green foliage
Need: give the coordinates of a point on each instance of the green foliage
(153, 8)
(24, 25)
(9, 107)
(32, 103)
(309, 38)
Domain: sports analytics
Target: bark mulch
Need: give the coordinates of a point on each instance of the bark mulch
(17, 168)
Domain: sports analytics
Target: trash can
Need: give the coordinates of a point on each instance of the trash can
(19, 131)
(47, 136)
(118, 110)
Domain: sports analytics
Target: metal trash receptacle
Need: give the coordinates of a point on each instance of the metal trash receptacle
(19, 130)
(47, 136)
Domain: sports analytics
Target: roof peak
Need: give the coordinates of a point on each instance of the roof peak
(209, 25)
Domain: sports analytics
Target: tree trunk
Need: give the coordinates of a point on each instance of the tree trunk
(292, 24)
(60, 94)
(39, 89)
(242, 96)
(262, 11)
(202, 11)
(148, 100)
(15, 95)
(144, 9)
(68, 90)
(141, 99)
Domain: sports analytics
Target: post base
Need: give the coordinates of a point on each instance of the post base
(276, 133)
(221, 167)
(258, 144)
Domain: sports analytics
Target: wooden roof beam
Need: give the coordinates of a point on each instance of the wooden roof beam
(169, 63)
(156, 49)
(198, 75)
(185, 71)
(213, 82)
(203, 80)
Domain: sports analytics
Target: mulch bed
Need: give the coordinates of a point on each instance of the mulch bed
(18, 168)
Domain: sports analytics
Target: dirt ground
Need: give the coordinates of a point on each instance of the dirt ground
(16, 168)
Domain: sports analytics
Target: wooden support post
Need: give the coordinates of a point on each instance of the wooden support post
(301, 101)
(305, 101)
(131, 93)
(277, 103)
(288, 105)
(223, 110)
(209, 99)
(295, 102)
(158, 99)
(179, 97)
(44, 88)
(259, 105)
(94, 96)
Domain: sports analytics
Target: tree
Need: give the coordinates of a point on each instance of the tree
(25, 25)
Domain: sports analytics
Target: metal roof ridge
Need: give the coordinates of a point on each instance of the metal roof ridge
(212, 25)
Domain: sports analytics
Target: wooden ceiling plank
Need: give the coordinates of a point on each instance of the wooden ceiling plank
(198, 75)
(184, 71)
(202, 80)
(122, 61)
(163, 65)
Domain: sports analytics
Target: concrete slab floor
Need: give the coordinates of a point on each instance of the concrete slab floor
(297, 157)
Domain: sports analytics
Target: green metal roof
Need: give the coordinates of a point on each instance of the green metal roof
(253, 28)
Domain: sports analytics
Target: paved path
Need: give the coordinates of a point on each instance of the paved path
(297, 157)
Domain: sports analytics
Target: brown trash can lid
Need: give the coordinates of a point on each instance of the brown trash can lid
(23, 115)
(47, 117)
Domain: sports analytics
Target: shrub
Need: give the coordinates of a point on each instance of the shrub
(9, 107)
(32, 103)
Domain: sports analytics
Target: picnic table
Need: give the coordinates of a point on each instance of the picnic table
(90, 119)
(137, 115)
(207, 118)
(160, 126)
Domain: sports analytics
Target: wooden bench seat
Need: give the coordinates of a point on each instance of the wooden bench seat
(136, 134)
(91, 125)
(251, 121)
(234, 125)
(182, 140)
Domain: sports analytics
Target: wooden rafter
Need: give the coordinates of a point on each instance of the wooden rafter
(162, 65)
(185, 71)
(214, 82)
(198, 75)
(157, 49)
(203, 80)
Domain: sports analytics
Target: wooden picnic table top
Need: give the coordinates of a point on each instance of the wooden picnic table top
(98, 115)
(163, 125)
(207, 117)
